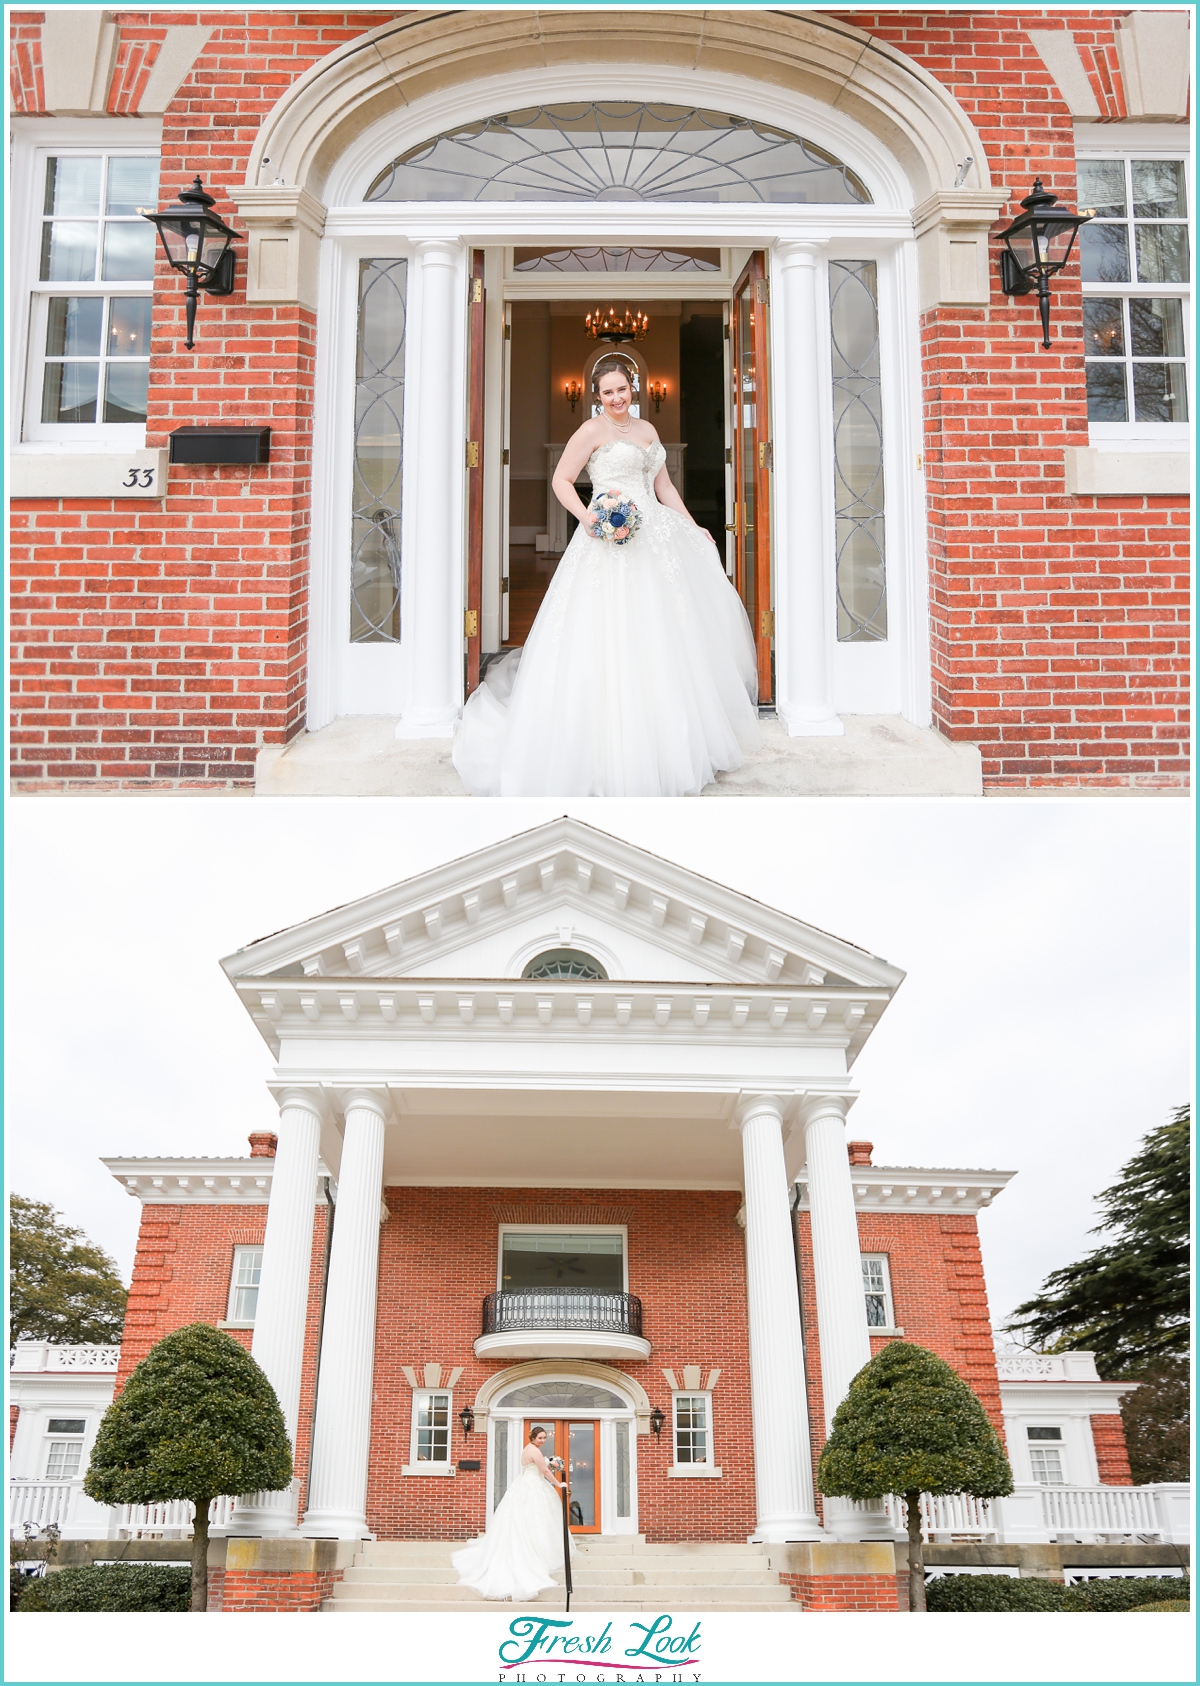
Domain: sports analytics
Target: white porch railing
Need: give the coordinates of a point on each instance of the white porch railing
(947, 1514)
(1084, 1515)
(65, 1505)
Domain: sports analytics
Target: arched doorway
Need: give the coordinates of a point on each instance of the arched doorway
(829, 460)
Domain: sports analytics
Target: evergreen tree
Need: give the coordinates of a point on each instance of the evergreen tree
(63, 1289)
(909, 1425)
(1126, 1301)
(1157, 1419)
(196, 1419)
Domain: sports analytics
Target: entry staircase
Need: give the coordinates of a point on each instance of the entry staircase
(619, 1574)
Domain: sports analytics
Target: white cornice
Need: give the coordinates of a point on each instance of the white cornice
(353, 1008)
(195, 1182)
(397, 930)
(887, 1188)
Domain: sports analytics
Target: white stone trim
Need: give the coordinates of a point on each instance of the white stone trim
(1096, 472)
(59, 471)
(694, 1472)
(428, 1469)
(195, 1182)
(1155, 54)
(561, 1344)
(1058, 52)
(884, 1188)
(182, 47)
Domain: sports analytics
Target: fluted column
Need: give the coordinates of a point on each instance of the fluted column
(433, 563)
(282, 1310)
(779, 1408)
(804, 567)
(837, 1267)
(337, 1493)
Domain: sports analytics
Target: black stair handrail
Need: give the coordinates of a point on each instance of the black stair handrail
(562, 1308)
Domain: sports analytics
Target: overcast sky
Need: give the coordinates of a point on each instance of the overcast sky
(1044, 1025)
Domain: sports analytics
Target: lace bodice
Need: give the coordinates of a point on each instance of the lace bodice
(621, 466)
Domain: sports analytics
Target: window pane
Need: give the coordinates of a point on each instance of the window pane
(128, 251)
(132, 183)
(125, 392)
(872, 1270)
(1104, 327)
(63, 1461)
(1162, 252)
(622, 1469)
(1102, 186)
(877, 1311)
(378, 453)
(433, 1430)
(73, 327)
(1159, 392)
(129, 328)
(500, 1460)
(1044, 1433)
(564, 1261)
(1156, 327)
(1106, 392)
(245, 1301)
(67, 1425)
(1047, 1465)
(1104, 251)
(72, 187)
(69, 251)
(1158, 189)
(858, 453)
(69, 394)
(249, 1266)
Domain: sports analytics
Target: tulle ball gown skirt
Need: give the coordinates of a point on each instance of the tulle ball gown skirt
(524, 1545)
(637, 679)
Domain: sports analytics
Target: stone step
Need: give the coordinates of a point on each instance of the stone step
(383, 1552)
(600, 1594)
(416, 1574)
(418, 1606)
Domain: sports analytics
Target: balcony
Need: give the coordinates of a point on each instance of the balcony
(561, 1323)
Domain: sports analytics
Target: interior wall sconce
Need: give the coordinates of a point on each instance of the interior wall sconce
(657, 1420)
(1036, 246)
(467, 1418)
(658, 391)
(573, 392)
(198, 245)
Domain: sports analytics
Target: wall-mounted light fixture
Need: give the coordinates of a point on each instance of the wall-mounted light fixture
(607, 325)
(658, 391)
(573, 392)
(656, 1422)
(197, 244)
(1036, 246)
(467, 1418)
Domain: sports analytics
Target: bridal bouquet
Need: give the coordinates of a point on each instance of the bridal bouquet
(620, 517)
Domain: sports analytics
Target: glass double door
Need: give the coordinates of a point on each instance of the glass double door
(578, 1444)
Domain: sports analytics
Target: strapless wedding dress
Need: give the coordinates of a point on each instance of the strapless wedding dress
(639, 675)
(524, 1543)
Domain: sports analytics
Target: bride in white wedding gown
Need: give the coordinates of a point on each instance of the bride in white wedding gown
(514, 1559)
(639, 675)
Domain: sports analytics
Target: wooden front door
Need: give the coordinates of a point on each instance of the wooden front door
(474, 465)
(752, 462)
(578, 1444)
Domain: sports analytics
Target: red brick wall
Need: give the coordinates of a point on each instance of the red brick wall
(686, 1264)
(1112, 1454)
(25, 69)
(289, 1592)
(165, 644)
(864, 1593)
(14, 1416)
(1059, 624)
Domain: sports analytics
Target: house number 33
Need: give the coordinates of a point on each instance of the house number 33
(143, 477)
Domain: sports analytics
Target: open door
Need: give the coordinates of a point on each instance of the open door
(751, 524)
(578, 1445)
(474, 460)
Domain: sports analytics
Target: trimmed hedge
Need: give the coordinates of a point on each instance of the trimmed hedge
(1167, 1604)
(119, 1586)
(1008, 1592)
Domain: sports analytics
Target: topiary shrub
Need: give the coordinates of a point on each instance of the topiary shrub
(1125, 1592)
(1182, 1604)
(992, 1593)
(119, 1586)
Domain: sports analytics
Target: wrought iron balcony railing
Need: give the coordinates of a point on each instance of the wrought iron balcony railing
(562, 1308)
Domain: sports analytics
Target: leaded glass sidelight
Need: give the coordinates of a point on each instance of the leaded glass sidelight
(620, 150)
(378, 452)
(857, 452)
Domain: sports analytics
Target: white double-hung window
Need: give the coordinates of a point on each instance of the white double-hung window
(65, 1449)
(429, 1443)
(90, 265)
(1135, 265)
(692, 1434)
(1046, 1454)
(243, 1285)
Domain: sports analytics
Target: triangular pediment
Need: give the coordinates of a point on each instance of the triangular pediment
(564, 884)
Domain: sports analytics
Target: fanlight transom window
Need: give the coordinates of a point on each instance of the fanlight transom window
(619, 151)
(564, 963)
(563, 1396)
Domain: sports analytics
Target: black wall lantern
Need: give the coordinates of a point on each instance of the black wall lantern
(197, 244)
(656, 1421)
(467, 1418)
(1036, 246)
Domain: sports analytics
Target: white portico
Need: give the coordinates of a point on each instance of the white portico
(685, 1038)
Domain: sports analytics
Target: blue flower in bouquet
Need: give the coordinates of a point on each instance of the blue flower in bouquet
(619, 518)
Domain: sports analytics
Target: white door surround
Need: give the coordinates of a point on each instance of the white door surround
(421, 679)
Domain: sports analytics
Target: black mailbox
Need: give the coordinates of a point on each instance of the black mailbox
(468, 1463)
(221, 444)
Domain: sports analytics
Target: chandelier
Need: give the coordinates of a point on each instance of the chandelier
(607, 325)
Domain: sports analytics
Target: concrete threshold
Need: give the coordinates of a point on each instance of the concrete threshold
(880, 755)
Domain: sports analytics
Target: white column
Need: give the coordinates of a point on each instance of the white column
(803, 566)
(337, 1493)
(779, 1408)
(433, 630)
(837, 1267)
(282, 1310)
